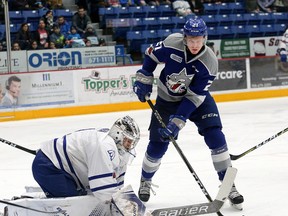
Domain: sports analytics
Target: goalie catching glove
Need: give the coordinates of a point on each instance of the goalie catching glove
(143, 84)
(176, 123)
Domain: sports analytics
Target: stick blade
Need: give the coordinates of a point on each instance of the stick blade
(203, 208)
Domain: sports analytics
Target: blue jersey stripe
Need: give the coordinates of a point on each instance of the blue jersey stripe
(57, 154)
(69, 161)
(104, 187)
(100, 176)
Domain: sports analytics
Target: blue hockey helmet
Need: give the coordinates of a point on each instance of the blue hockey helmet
(195, 27)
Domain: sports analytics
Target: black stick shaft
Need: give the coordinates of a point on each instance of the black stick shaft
(17, 146)
(197, 179)
(28, 208)
(236, 157)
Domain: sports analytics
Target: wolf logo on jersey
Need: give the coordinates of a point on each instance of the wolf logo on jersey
(178, 83)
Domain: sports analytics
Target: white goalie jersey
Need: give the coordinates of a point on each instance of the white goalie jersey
(92, 158)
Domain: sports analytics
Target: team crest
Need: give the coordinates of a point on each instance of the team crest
(111, 154)
(178, 83)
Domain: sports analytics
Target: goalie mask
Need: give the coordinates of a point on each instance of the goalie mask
(125, 133)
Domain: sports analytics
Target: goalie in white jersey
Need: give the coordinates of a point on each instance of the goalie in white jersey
(87, 161)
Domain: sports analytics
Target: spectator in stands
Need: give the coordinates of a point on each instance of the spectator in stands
(17, 5)
(94, 9)
(280, 6)
(38, 5)
(34, 45)
(126, 3)
(182, 7)
(73, 34)
(102, 42)
(153, 2)
(80, 20)
(88, 43)
(15, 46)
(91, 35)
(265, 6)
(49, 20)
(113, 3)
(52, 45)
(197, 6)
(64, 25)
(73, 38)
(42, 35)
(24, 36)
(54, 4)
(2, 49)
(251, 6)
(57, 37)
(140, 2)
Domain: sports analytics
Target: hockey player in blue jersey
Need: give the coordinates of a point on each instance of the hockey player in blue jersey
(183, 94)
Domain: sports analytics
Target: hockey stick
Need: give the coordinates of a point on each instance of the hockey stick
(17, 146)
(203, 208)
(236, 157)
(159, 118)
(28, 208)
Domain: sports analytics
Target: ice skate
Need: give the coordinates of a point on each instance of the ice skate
(235, 198)
(144, 190)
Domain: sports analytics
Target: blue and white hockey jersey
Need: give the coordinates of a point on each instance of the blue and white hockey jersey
(92, 158)
(184, 78)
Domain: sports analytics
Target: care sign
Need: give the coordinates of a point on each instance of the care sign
(232, 75)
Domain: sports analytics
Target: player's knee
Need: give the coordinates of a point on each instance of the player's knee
(157, 149)
(214, 137)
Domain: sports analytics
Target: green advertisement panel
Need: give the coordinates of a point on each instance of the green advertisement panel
(234, 48)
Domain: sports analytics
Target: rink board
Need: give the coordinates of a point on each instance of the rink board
(104, 108)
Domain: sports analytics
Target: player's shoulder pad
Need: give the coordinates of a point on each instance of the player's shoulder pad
(174, 41)
(210, 60)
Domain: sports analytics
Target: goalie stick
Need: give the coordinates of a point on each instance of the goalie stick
(197, 179)
(236, 157)
(203, 208)
(18, 146)
(28, 208)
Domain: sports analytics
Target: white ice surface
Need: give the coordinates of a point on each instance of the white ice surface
(262, 174)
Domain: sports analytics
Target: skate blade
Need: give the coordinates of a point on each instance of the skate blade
(237, 206)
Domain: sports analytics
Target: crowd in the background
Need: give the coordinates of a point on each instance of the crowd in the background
(35, 4)
(266, 6)
(182, 7)
(55, 32)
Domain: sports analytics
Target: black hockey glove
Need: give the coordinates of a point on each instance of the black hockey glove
(143, 84)
(176, 123)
